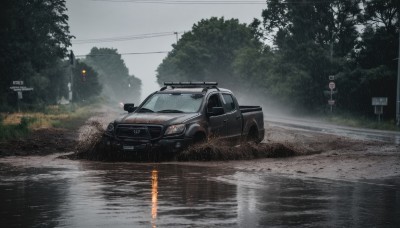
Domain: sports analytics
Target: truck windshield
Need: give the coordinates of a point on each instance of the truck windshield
(173, 103)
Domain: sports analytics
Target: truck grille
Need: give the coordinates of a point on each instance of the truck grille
(155, 131)
(139, 132)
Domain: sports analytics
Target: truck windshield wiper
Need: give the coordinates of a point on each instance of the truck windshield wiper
(145, 110)
(170, 111)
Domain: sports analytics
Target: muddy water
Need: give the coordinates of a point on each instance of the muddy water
(62, 193)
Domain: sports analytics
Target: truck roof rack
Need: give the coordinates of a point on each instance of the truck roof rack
(205, 85)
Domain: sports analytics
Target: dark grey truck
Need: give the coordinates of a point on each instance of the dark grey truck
(184, 113)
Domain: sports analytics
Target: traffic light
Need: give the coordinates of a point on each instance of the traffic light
(83, 75)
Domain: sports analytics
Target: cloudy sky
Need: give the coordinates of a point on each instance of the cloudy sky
(122, 21)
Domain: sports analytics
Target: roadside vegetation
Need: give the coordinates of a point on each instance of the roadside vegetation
(20, 124)
(12, 131)
(361, 121)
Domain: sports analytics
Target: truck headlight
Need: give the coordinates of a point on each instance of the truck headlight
(175, 129)
(110, 128)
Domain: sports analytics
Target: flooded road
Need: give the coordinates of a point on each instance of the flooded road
(63, 193)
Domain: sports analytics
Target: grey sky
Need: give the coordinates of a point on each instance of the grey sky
(97, 19)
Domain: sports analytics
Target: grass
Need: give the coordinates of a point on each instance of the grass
(12, 131)
(16, 125)
(361, 121)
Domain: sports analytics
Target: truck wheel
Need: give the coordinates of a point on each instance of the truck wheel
(199, 138)
(253, 135)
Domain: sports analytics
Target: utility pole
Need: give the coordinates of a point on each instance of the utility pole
(176, 34)
(71, 76)
(398, 86)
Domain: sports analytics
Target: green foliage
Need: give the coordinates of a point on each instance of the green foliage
(85, 85)
(14, 131)
(372, 70)
(357, 41)
(352, 120)
(319, 39)
(310, 40)
(34, 36)
(382, 13)
(118, 85)
(208, 52)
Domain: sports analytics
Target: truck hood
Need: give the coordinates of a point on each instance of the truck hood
(155, 118)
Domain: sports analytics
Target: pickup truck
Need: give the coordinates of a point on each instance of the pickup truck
(185, 113)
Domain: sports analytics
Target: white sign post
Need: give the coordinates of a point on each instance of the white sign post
(332, 86)
(378, 103)
(18, 86)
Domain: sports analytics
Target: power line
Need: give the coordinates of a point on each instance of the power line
(217, 2)
(129, 53)
(125, 38)
(188, 2)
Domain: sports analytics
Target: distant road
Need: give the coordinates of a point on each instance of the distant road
(317, 126)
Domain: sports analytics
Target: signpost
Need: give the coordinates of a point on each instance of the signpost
(332, 86)
(378, 103)
(18, 86)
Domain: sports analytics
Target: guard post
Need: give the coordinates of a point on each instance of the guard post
(378, 103)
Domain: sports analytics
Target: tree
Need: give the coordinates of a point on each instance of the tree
(207, 53)
(382, 13)
(85, 82)
(372, 70)
(311, 39)
(34, 35)
(118, 85)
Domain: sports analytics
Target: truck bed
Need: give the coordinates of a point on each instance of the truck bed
(245, 109)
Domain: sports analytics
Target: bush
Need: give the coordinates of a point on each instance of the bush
(13, 131)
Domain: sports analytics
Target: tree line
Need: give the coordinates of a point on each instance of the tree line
(284, 58)
(34, 43)
(288, 55)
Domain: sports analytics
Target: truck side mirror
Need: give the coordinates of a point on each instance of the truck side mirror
(216, 111)
(129, 107)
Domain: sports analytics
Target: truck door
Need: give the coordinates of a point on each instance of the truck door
(217, 124)
(233, 115)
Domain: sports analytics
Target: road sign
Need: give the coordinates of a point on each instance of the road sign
(331, 102)
(382, 101)
(331, 77)
(332, 85)
(18, 83)
(20, 88)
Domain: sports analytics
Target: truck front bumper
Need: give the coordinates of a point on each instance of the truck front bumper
(162, 145)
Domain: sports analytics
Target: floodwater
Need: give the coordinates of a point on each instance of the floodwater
(63, 193)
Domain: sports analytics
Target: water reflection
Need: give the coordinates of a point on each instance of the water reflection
(154, 197)
(118, 195)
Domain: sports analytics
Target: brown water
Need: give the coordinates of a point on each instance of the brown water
(61, 193)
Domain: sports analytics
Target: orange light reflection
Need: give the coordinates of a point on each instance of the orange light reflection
(154, 197)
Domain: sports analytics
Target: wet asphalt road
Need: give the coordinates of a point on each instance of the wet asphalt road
(63, 193)
(321, 127)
